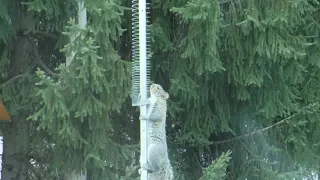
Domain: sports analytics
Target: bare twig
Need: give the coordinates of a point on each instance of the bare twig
(47, 34)
(259, 131)
(12, 79)
(38, 57)
(18, 76)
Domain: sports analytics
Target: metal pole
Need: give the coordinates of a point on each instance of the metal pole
(143, 83)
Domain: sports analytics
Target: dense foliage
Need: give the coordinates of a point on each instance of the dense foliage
(242, 76)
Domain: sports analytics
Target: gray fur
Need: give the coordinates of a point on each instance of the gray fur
(158, 162)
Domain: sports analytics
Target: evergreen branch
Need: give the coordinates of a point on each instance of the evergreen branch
(260, 131)
(225, 1)
(57, 174)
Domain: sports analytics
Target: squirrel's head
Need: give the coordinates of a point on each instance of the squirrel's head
(157, 90)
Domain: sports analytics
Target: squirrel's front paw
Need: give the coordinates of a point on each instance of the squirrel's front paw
(144, 102)
(146, 166)
(143, 118)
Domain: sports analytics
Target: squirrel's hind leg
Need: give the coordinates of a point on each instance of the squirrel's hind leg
(157, 155)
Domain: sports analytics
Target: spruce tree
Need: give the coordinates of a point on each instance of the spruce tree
(245, 75)
(242, 76)
(75, 109)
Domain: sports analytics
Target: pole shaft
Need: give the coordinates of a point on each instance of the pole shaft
(143, 83)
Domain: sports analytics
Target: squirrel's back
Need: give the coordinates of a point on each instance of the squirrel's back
(157, 149)
(157, 123)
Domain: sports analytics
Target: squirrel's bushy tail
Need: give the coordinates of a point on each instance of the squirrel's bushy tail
(169, 172)
(165, 173)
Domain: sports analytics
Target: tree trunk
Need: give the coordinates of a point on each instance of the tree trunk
(15, 133)
(15, 149)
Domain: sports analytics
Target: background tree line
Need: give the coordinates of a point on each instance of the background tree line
(242, 76)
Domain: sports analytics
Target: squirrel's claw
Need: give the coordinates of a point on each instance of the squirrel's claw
(144, 102)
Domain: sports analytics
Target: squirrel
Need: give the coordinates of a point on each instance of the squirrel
(158, 162)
